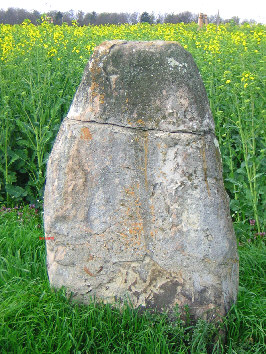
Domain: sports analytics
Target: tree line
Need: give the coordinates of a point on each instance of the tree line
(17, 16)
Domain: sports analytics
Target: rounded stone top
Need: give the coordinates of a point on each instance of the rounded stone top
(146, 85)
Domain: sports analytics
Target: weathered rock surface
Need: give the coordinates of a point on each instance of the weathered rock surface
(134, 195)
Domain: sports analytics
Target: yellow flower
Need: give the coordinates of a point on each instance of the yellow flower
(227, 81)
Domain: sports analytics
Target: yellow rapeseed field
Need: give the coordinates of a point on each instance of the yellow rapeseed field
(41, 67)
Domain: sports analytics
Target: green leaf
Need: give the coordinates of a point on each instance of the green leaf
(16, 191)
(27, 143)
(257, 175)
(234, 205)
(237, 183)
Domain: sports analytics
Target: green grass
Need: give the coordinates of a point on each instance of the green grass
(36, 319)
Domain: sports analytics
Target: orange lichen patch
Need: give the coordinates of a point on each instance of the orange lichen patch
(130, 191)
(137, 202)
(129, 212)
(133, 222)
(94, 89)
(95, 68)
(133, 235)
(137, 227)
(140, 121)
(85, 134)
(101, 99)
(88, 272)
(138, 242)
(123, 235)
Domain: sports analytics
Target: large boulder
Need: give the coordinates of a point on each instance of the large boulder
(134, 195)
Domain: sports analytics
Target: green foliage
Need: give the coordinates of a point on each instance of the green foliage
(41, 67)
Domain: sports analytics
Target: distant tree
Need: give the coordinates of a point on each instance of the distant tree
(80, 18)
(51, 16)
(132, 18)
(171, 18)
(90, 18)
(212, 19)
(22, 14)
(68, 17)
(185, 17)
(58, 18)
(215, 19)
(35, 17)
(15, 16)
(236, 20)
(2, 16)
(160, 18)
(11, 16)
(145, 17)
(111, 18)
(251, 21)
(233, 20)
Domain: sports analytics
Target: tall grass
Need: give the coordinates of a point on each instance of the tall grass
(36, 319)
(34, 97)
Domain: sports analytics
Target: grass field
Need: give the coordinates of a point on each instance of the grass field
(40, 69)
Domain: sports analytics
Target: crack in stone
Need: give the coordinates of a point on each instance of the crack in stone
(144, 129)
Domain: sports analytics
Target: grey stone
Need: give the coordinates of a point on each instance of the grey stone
(134, 195)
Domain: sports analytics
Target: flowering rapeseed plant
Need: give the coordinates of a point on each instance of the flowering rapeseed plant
(41, 67)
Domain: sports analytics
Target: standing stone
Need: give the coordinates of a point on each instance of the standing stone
(134, 195)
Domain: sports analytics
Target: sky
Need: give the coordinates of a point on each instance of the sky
(255, 9)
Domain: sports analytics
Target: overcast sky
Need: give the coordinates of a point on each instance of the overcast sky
(244, 9)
